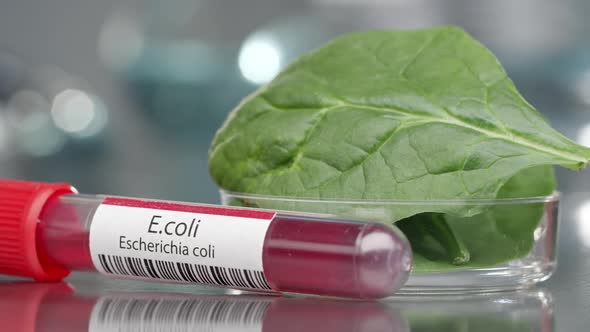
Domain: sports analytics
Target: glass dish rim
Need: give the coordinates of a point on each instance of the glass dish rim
(554, 197)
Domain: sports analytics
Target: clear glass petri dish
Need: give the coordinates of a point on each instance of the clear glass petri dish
(527, 226)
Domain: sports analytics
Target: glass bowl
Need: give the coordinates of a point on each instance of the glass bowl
(522, 231)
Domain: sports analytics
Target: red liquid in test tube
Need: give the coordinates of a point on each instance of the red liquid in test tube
(50, 230)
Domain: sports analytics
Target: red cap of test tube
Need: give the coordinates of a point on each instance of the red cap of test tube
(21, 204)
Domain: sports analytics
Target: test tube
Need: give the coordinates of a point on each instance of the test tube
(48, 230)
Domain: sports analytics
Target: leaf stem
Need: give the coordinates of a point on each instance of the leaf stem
(446, 236)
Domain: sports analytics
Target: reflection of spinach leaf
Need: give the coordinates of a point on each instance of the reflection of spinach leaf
(427, 114)
(471, 323)
(505, 312)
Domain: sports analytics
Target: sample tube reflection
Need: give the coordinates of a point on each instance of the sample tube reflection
(27, 307)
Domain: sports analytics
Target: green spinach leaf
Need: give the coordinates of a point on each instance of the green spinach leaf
(393, 115)
(499, 234)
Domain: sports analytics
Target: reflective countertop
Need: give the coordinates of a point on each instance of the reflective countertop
(78, 306)
(91, 302)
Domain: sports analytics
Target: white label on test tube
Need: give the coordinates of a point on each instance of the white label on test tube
(180, 242)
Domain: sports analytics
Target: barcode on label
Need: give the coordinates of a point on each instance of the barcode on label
(183, 272)
(178, 314)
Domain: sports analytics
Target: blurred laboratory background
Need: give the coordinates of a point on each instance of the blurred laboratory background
(123, 97)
